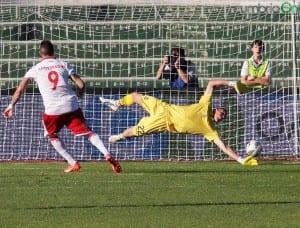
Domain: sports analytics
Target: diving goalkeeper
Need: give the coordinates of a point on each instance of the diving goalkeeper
(197, 118)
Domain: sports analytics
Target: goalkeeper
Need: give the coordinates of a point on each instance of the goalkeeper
(197, 118)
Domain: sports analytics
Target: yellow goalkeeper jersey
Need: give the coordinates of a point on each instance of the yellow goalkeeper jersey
(193, 119)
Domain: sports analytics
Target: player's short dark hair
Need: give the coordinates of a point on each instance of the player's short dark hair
(259, 43)
(224, 109)
(178, 50)
(48, 47)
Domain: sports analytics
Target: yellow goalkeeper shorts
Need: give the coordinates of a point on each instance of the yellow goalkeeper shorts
(154, 123)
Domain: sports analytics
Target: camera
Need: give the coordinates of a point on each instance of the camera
(171, 72)
(182, 62)
(172, 59)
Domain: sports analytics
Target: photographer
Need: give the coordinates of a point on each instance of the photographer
(180, 72)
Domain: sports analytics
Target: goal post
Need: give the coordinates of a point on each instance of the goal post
(117, 47)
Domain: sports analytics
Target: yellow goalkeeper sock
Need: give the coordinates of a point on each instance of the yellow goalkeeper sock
(127, 100)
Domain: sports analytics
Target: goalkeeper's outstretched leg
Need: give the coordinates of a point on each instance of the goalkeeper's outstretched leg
(130, 99)
(154, 123)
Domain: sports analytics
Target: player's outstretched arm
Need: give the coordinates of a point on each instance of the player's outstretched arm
(215, 83)
(8, 112)
(249, 161)
(226, 149)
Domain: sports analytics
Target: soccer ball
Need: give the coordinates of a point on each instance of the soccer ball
(253, 148)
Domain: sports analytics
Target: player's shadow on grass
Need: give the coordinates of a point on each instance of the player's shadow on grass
(165, 205)
(197, 171)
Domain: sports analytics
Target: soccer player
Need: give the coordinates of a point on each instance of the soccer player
(197, 118)
(256, 71)
(61, 104)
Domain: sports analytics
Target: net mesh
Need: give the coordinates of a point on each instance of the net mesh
(117, 48)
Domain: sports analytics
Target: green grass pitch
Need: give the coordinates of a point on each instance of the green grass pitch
(150, 194)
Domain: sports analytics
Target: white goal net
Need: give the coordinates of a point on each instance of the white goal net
(117, 47)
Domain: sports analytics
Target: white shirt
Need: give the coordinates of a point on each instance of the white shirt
(51, 76)
(244, 71)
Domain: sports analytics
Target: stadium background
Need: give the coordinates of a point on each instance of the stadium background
(117, 47)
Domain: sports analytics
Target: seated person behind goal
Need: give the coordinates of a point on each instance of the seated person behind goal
(197, 118)
(180, 72)
(256, 71)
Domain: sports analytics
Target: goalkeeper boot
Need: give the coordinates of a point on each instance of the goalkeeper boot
(72, 168)
(250, 161)
(112, 104)
(113, 163)
(115, 138)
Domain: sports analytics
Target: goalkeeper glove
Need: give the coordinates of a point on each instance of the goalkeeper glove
(249, 161)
